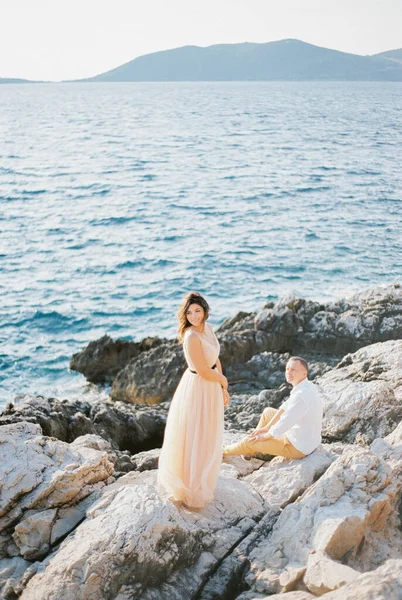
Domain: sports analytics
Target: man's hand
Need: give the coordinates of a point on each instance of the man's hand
(260, 435)
(260, 430)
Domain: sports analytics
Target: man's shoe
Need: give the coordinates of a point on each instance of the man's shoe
(246, 457)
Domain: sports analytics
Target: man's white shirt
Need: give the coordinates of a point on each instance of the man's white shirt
(302, 420)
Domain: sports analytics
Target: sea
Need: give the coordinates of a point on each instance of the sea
(118, 198)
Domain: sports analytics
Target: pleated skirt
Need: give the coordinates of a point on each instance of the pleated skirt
(191, 454)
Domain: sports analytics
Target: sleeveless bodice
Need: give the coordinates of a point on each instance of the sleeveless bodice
(209, 343)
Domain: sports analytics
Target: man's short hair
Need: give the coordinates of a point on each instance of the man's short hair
(301, 361)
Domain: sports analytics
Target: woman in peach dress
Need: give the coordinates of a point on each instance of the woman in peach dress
(191, 454)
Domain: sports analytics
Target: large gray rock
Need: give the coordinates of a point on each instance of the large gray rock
(385, 583)
(102, 359)
(324, 574)
(379, 546)
(134, 541)
(32, 534)
(353, 497)
(363, 394)
(11, 572)
(152, 377)
(38, 477)
(55, 417)
(281, 480)
(126, 427)
(371, 316)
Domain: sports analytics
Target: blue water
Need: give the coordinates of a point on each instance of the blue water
(115, 199)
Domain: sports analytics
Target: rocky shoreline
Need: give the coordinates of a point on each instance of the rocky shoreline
(81, 516)
(254, 346)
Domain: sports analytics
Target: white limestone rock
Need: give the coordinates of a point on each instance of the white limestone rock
(385, 583)
(39, 475)
(11, 571)
(333, 515)
(324, 574)
(32, 534)
(363, 394)
(134, 540)
(96, 442)
(379, 546)
(281, 480)
(44, 472)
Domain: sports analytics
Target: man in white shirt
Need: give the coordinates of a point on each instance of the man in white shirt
(292, 431)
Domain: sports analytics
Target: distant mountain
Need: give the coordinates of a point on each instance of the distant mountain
(286, 60)
(395, 55)
(7, 80)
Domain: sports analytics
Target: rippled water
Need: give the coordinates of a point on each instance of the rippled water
(117, 198)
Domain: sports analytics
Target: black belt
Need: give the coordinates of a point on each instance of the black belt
(195, 372)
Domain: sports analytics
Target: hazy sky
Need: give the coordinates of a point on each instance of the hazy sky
(70, 39)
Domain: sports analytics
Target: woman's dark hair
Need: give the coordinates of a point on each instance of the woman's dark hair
(189, 299)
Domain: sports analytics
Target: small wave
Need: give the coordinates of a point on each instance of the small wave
(186, 207)
(363, 172)
(101, 193)
(171, 238)
(77, 247)
(130, 264)
(291, 277)
(163, 262)
(111, 221)
(258, 197)
(6, 362)
(52, 321)
(288, 268)
(309, 189)
(342, 249)
(34, 192)
(334, 271)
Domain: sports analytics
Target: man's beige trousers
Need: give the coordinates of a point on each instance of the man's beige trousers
(273, 446)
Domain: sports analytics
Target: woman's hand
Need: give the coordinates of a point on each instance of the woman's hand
(224, 382)
(226, 397)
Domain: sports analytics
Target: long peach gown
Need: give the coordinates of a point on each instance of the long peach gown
(191, 455)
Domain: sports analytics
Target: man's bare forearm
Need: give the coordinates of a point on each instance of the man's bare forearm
(274, 419)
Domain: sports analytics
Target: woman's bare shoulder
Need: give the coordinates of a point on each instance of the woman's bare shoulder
(190, 334)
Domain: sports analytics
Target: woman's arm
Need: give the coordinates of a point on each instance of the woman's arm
(226, 397)
(194, 349)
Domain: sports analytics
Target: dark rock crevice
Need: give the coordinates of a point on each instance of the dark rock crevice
(226, 580)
